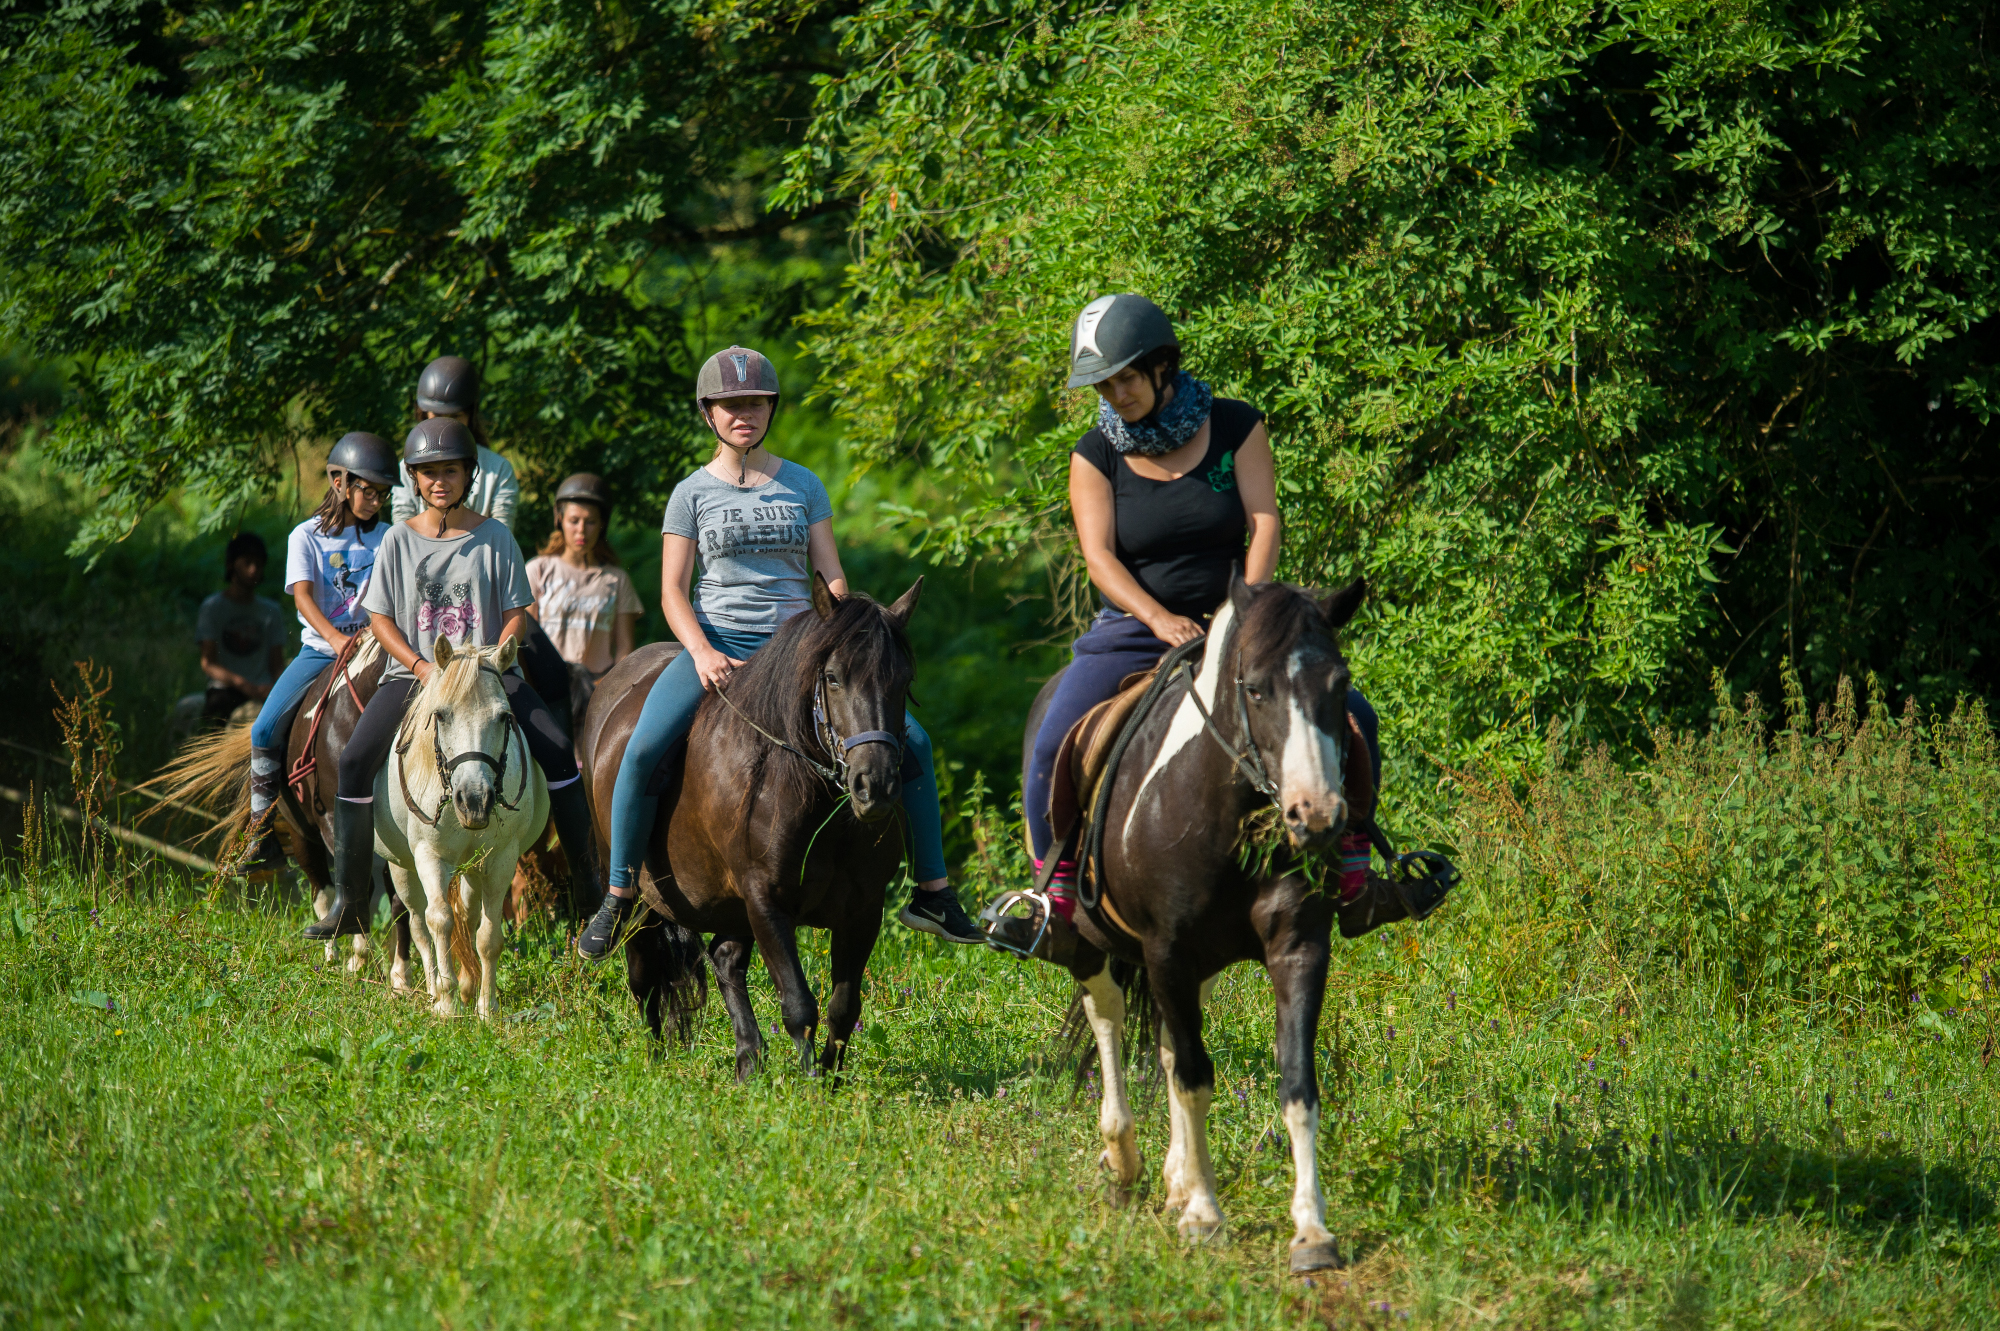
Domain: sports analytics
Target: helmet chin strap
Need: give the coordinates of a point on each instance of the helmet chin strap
(742, 454)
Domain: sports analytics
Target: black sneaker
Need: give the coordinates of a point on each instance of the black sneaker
(939, 913)
(606, 927)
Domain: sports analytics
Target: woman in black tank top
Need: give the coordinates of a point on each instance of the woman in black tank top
(1171, 490)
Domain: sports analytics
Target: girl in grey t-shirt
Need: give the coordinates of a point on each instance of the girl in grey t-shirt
(758, 527)
(446, 573)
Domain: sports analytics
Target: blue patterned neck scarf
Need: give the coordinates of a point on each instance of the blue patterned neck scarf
(1163, 431)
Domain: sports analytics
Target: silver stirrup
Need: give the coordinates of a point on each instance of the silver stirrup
(1002, 908)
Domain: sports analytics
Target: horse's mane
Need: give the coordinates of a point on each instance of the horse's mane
(1278, 615)
(455, 683)
(775, 687)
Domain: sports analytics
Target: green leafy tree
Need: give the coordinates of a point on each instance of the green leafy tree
(1612, 342)
(243, 225)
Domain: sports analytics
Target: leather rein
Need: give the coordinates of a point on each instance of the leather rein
(445, 767)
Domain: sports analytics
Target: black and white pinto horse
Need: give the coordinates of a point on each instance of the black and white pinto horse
(1266, 708)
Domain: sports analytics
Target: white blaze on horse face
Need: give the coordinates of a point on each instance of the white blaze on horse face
(1311, 788)
(1186, 726)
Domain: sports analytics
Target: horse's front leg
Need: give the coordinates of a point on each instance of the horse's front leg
(778, 940)
(487, 895)
(730, 955)
(852, 943)
(436, 879)
(1298, 977)
(410, 896)
(1104, 1009)
(1190, 1174)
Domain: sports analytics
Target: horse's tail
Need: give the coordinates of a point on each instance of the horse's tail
(1074, 1046)
(212, 772)
(667, 971)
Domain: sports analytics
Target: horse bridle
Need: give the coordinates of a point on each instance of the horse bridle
(836, 745)
(445, 767)
(1249, 759)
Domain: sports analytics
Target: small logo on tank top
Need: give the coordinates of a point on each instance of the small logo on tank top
(1222, 478)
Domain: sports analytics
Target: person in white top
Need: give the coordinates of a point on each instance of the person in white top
(583, 600)
(328, 560)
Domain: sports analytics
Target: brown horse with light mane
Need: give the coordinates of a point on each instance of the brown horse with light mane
(784, 816)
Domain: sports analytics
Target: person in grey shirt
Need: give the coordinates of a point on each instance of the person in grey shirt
(242, 634)
(760, 527)
(448, 389)
(446, 574)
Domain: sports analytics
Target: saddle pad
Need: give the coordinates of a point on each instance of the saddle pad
(1086, 749)
(364, 656)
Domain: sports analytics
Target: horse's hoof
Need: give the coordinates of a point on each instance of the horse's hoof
(1308, 1257)
(1198, 1231)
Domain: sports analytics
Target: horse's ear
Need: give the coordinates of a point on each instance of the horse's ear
(1339, 607)
(1239, 591)
(906, 604)
(822, 597)
(443, 651)
(509, 649)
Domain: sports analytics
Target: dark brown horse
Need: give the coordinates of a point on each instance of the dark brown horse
(783, 816)
(1263, 721)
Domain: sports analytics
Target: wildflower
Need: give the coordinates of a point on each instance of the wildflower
(1392, 1033)
(1242, 1096)
(1590, 1063)
(857, 1028)
(1000, 1094)
(1510, 1125)
(774, 1028)
(1451, 1000)
(1602, 1086)
(1829, 1099)
(1621, 1042)
(1494, 1023)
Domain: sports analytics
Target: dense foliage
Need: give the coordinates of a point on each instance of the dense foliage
(245, 225)
(1613, 342)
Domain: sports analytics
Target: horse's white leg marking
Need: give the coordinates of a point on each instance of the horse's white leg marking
(322, 903)
(1308, 1206)
(1187, 1171)
(1186, 726)
(412, 899)
(1170, 1168)
(1104, 1007)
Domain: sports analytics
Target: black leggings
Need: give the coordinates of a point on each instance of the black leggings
(544, 668)
(375, 733)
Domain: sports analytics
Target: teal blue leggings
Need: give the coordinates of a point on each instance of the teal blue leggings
(666, 719)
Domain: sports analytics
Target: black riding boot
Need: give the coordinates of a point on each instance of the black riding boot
(267, 785)
(353, 869)
(570, 812)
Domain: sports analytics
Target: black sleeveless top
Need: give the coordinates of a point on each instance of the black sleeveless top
(1181, 538)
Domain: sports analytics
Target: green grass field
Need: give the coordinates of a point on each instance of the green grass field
(202, 1124)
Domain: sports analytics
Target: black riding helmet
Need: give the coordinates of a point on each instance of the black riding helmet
(1111, 333)
(442, 439)
(368, 456)
(449, 384)
(584, 488)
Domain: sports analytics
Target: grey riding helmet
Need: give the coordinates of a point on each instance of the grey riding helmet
(734, 372)
(448, 384)
(1111, 333)
(584, 488)
(368, 456)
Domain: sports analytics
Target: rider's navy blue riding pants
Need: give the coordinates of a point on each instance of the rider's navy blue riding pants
(666, 719)
(1118, 645)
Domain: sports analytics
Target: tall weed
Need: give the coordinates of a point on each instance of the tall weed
(1845, 860)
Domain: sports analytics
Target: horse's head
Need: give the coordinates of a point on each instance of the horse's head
(862, 687)
(1293, 686)
(465, 710)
